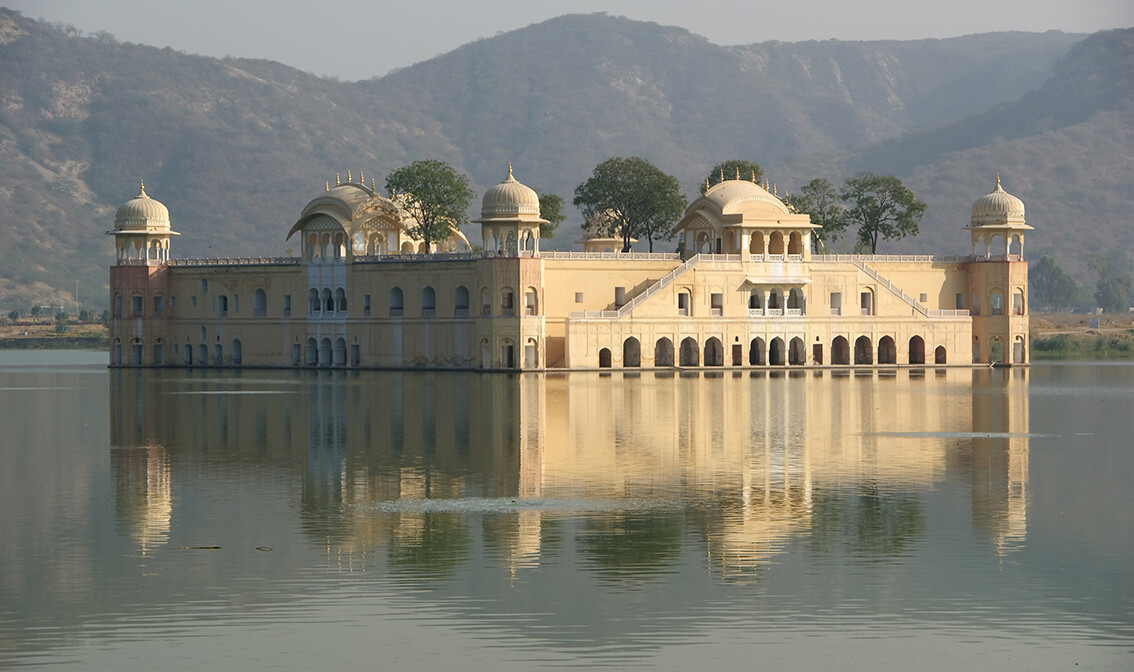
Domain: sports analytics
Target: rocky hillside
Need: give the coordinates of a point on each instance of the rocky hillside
(236, 147)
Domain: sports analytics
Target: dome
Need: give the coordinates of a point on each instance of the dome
(510, 198)
(141, 213)
(998, 207)
(743, 196)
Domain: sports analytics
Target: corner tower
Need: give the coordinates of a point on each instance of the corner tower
(998, 279)
(138, 282)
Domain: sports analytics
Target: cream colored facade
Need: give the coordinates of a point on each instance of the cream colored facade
(751, 293)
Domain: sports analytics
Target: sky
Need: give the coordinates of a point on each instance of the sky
(366, 38)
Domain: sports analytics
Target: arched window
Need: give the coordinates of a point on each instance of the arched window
(531, 302)
(1018, 307)
(485, 303)
(340, 352)
(117, 305)
(461, 302)
(507, 302)
(159, 353)
(202, 355)
(328, 301)
(136, 353)
(218, 355)
(340, 300)
(776, 243)
(756, 244)
(116, 353)
(996, 302)
(604, 358)
(795, 243)
(396, 302)
(631, 352)
(325, 352)
(428, 302)
(237, 352)
(313, 305)
(663, 352)
(756, 299)
(260, 303)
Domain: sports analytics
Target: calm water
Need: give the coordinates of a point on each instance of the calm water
(300, 520)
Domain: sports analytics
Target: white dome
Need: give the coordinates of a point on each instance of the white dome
(998, 207)
(141, 213)
(510, 198)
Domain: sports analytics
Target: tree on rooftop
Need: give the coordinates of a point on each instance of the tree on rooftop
(881, 207)
(435, 195)
(628, 197)
(819, 199)
(551, 209)
(733, 169)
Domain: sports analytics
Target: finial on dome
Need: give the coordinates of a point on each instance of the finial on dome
(754, 177)
(362, 178)
(738, 172)
(142, 189)
(510, 171)
(327, 186)
(337, 182)
(348, 177)
(372, 184)
(998, 188)
(706, 183)
(774, 189)
(722, 174)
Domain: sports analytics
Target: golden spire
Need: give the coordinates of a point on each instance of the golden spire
(998, 180)
(754, 177)
(361, 178)
(510, 171)
(774, 189)
(348, 178)
(372, 184)
(337, 183)
(142, 188)
(722, 174)
(738, 172)
(706, 183)
(327, 187)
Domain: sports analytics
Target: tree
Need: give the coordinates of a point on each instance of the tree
(84, 316)
(551, 209)
(1051, 287)
(435, 195)
(14, 316)
(36, 311)
(1112, 292)
(820, 199)
(881, 206)
(629, 197)
(733, 169)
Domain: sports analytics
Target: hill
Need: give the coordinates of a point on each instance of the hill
(235, 147)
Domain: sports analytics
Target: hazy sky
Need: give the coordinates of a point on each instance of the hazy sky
(363, 38)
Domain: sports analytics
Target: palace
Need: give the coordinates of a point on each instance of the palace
(749, 292)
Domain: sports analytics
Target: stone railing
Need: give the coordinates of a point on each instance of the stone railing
(240, 261)
(614, 256)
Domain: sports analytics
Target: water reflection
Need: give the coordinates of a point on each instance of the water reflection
(420, 471)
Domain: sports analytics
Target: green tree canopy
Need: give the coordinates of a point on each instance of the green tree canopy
(1112, 292)
(733, 169)
(14, 316)
(551, 209)
(820, 199)
(880, 206)
(435, 194)
(1050, 286)
(629, 197)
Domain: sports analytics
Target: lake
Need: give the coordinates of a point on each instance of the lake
(931, 519)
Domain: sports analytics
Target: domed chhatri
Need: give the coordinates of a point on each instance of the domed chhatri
(509, 217)
(142, 213)
(997, 207)
(510, 198)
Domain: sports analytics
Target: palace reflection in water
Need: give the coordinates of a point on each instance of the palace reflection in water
(417, 471)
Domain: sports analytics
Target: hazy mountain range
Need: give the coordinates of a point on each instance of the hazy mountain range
(236, 147)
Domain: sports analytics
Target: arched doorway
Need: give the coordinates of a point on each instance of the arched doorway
(776, 352)
(1018, 350)
(325, 352)
(663, 352)
(863, 353)
(840, 350)
(757, 352)
(311, 353)
(631, 352)
(689, 353)
(237, 352)
(939, 356)
(887, 351)
(604, 358)
(917, 350)
(797, 355)
(340, 352)
(714, 352)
